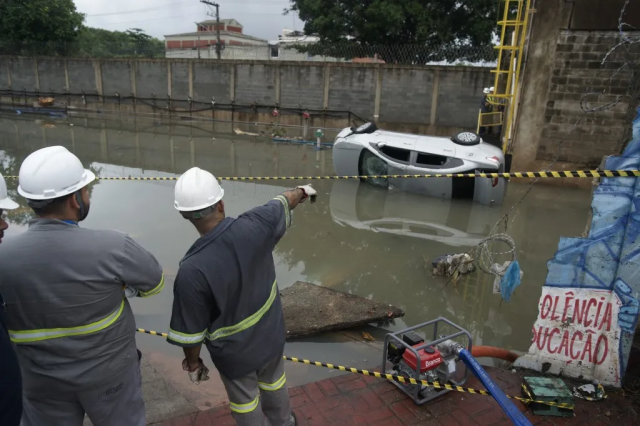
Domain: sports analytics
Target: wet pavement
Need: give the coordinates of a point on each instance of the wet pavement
(355, 238)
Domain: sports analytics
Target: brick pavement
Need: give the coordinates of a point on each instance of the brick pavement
(351, 400)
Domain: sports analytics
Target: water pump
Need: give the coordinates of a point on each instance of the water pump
(409, 355)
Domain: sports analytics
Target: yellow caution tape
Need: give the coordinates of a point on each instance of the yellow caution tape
(153, 333)
(400, 379)
(558, 174)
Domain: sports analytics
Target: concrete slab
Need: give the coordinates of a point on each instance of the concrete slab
(311, 309)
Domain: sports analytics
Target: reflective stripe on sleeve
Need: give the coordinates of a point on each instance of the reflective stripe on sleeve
(273, 386)
(157, 289)
(248, 322)
(287, 210)
(25, 336)
(245, 408)
(187, 339)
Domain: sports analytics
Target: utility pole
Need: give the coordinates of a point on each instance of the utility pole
(198, 46)
(218, 44)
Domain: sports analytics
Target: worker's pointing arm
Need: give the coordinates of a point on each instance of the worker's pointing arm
(273, 219)
(299, 195)
(141, 273)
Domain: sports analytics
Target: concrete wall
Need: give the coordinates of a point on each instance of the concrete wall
(578, 71)
(562, 65)
(432, 100)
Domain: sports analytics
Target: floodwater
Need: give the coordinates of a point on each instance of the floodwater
(355, 238)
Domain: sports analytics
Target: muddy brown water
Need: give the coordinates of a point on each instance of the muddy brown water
(356, 238)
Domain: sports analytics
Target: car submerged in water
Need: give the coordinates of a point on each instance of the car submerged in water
(369, 151)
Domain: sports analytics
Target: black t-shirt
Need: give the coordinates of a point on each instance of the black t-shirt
(10, 378)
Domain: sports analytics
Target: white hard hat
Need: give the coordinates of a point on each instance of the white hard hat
(486, 90)
(491, 89)
(197, 189)
(6, 203)
(52, 172)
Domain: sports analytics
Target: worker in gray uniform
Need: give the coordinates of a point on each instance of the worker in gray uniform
(226, 296)
(64, 287)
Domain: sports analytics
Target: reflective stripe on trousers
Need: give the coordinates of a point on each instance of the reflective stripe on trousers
(273, 386)
(245, 408)
(260, 398)
(24, 336)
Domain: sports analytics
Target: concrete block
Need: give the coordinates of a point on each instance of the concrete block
(179, 84)
(406, 95)
(4, 75)
(51, 74)
(255, 83)
(353, 89)
(211, 79)
(23, 74)
(302, 85)
(116, 78)
(82, 76)
(460, 96)
(151, 77)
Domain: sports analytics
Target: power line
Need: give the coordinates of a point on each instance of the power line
(146, 9)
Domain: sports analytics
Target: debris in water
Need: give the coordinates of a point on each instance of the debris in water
(453, 265)
(368, 337)
(508, 277)
(240, 132)
(46, 101)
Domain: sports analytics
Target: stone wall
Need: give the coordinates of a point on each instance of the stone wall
(433, 100)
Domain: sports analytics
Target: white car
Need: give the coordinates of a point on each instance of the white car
(367, 151)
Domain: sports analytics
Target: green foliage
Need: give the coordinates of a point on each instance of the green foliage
(55, 28)
(99, 43)
(39, 21)
(436, 26)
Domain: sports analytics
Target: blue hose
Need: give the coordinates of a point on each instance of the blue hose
(507, 406)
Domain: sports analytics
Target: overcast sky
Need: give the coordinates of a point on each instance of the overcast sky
(260, 18)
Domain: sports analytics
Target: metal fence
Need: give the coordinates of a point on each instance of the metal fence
(459, 55)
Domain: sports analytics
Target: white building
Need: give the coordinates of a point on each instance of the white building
(202, 42)
(237, 45)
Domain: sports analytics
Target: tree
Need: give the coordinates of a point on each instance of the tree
(399, 30)
(99, 43)
(28, 21)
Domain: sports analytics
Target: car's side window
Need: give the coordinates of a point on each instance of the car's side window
(435, 161)
(398, 154)
(425, 160)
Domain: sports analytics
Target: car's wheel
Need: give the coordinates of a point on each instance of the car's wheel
(466, 138)
(366, 128)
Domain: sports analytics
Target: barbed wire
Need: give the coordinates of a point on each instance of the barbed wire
(430, 54)
(626, 61)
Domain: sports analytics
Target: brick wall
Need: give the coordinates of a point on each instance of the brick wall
(578, 70)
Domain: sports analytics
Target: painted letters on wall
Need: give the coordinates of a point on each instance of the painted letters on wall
(589, 306)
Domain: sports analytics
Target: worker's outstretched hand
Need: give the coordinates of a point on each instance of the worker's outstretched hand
(199, 374)
(309, 192)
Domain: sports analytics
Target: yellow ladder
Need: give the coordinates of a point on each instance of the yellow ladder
(514, 23)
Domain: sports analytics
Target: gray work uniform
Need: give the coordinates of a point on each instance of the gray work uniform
(226, 295)
(73, 328)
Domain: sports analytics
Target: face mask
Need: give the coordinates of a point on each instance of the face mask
(84, 208)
